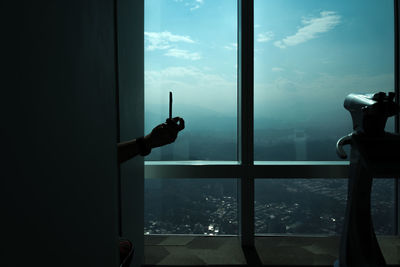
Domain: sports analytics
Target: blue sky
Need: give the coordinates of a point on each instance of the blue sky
(308, 55)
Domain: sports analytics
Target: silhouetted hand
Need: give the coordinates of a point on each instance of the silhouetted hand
(165, 133)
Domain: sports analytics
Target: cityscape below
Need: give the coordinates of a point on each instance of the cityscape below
(295, 206)
(282, 206)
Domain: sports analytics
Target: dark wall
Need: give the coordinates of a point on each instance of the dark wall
(397, 120)
(58, 134)
(131, 113)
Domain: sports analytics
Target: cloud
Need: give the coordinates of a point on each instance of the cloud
(231, 46)
(192, 4)
(265, 37)
(176, 72)
(179, 53)
(197, 4)
(194, 86)
(310, 29)
(163, 40)
(188, 78)
(277, 69)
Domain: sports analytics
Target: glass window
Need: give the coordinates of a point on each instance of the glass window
(191, 206)
(300, 206)
(316, 206)
(308, 56)
(190, 49)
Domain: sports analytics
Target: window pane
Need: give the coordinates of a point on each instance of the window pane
(316, 206)
(191, 206)
(190, 49)
(309, 55)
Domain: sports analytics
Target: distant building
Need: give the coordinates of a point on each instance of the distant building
(300, 143)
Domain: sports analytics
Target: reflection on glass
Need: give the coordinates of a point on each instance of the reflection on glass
(315, 206)
(308, 56)
(191, 206)
(190, 49)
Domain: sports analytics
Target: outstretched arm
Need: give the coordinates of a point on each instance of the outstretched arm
(127, 150)
(163, 134)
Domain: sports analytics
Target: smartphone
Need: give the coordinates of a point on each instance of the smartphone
(170, 105)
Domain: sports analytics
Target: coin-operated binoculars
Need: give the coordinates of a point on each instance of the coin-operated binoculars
(374, 154)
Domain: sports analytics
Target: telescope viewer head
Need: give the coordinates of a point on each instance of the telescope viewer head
(371, 111)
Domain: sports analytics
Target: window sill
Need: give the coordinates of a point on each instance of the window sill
(186, 250)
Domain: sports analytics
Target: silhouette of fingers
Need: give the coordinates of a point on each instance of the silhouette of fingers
(181, 124)
(176, 119)
(160, 126)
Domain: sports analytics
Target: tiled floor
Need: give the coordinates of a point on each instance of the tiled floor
(271, 251)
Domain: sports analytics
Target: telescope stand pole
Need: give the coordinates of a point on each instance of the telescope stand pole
(358, 245)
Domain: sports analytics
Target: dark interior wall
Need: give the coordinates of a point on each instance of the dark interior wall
(131, 113)
(58, 134)
(397, 120)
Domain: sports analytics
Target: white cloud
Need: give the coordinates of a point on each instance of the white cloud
(310, 29)
(197, 4)
(265, 37)
(163, 40)
(192, 4)
(179, 53)
(277, 69)
(176, 72)
(231, 46)
(194, 86)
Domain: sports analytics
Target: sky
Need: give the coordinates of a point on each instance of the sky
(308, 56)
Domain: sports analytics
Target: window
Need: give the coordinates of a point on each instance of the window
(316, 206)
(262, 93)
(191, 206)
(308, 56)
(183, 53)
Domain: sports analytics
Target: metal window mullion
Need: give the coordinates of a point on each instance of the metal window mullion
(246, 119)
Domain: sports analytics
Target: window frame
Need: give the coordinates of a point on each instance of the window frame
(246, 170)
